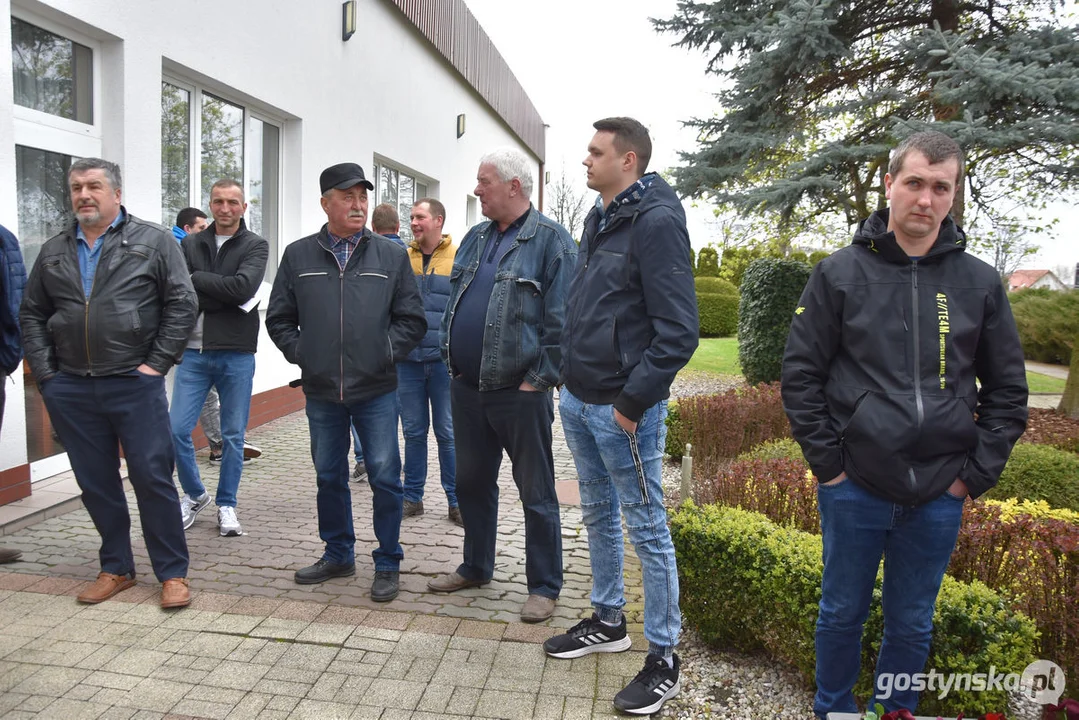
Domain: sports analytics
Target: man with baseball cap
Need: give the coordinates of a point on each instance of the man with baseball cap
(345, 308)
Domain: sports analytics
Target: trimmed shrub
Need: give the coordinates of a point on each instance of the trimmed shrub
(718, 313)
(1023, 549)
(735, 261)
(715, 285)
(725, 425)
(707, 263)
(1030, 553)
(770, 292)
(1048, 324)
(817, 255)
(774, 449)
(1040, 472)
(750, 584)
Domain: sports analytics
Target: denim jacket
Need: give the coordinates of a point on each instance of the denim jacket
(527, 306)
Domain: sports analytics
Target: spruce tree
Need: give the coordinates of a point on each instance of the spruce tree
(816, 92)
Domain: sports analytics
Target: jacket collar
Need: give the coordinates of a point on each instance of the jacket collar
(874, 235)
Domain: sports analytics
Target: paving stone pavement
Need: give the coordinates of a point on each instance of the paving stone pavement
(255, 644)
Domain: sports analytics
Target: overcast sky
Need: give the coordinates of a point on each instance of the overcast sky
(581, 60)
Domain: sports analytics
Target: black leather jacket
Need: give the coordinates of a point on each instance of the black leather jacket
(141, 308)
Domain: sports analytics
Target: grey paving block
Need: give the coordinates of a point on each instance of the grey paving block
(506, 705)
(135, 661)
(70, 709)
(235, 675)
(435, 698)
(321, 710)
(388, 693)
(156, 695)
(325, 633)
(202, 709)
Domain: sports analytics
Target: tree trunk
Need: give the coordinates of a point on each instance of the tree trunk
(1069, 404)
(946, 13)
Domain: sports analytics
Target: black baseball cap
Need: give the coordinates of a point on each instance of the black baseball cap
(342, 177)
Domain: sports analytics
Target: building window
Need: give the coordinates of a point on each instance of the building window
(233, 141)
(400, 189)
(52, 74)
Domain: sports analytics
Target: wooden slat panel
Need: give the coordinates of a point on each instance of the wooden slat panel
(454, 32)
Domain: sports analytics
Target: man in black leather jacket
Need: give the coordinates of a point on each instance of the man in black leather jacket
(106, 313)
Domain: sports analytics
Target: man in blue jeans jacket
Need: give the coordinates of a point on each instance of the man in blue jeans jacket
(631, 326)
(879, 382)
(499, 337)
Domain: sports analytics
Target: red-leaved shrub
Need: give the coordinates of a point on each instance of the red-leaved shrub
(724, 426)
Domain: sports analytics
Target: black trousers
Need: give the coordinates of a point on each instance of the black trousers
(94, 416)
(485, 423)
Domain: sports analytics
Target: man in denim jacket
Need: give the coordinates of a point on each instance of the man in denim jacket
(500, 339)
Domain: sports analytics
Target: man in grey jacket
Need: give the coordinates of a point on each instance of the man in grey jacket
(107, 311)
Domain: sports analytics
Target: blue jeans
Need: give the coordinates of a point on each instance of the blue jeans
(357, 446)
(423, 386)
(520, 422)
(231, 372)
(857, 528)
(620, 474)
(94, 417)
(376, 422)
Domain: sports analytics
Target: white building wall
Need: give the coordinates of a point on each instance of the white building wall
(385, 92)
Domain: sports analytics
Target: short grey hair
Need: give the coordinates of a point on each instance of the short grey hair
(112, 170)
(510, 163)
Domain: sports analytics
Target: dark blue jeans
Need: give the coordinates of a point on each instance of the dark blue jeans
(484, 424)
(376, 422)
(423, 392)
(94, 416)
(857, 528)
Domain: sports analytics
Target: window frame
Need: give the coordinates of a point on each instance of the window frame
(430, 186)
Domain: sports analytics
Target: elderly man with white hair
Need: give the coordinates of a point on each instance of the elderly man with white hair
(500, 340)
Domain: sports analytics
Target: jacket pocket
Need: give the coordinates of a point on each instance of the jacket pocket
(879, 430)
(528, 299)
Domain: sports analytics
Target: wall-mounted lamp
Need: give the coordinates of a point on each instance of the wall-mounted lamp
(460, 125)
(547, 178)
(348, 19)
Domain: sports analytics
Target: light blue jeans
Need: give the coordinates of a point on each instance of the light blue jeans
(231, 372)
(423, 396)
(620, 475)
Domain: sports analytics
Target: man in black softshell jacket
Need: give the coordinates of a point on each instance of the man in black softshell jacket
(879, 385)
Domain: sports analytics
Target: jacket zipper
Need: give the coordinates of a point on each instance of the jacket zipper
(917, 359)
(86, 318)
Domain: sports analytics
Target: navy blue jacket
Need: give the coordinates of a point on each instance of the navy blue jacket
(631, 322)
(12, 283)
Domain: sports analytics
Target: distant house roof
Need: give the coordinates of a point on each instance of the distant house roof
(1026, 278)
(452, 29)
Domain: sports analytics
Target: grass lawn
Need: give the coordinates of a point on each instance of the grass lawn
(1039, 383)
(720, 356)
(716, 355)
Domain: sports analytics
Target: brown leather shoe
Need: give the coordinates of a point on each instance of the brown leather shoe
(9, 555)
(452, 582)
(175, 593)
(105, 587)
(537, 608)
(455, 517)
(411, 509)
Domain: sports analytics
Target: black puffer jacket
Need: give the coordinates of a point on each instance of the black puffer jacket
(141, 308)
(225, 279)
(346, 330)
(880, 367)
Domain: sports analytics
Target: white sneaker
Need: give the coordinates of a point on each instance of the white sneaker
(190, 507)
(227, 522)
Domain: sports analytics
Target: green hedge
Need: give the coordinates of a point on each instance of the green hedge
(715, 285)
(707, 263)
(1048, 323)
(1040, 472)
(770, 291)
(752, 585)
(718, 314)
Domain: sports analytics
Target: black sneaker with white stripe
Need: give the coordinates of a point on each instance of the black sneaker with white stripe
(653, 686)
(588, 636)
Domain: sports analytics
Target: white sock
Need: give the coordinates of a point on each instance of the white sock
(669, 660)
(612, 624)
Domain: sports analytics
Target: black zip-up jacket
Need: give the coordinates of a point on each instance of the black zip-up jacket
(346, 329)
(880, 367)
(631, 314)
(225, 279)
(141, 308)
